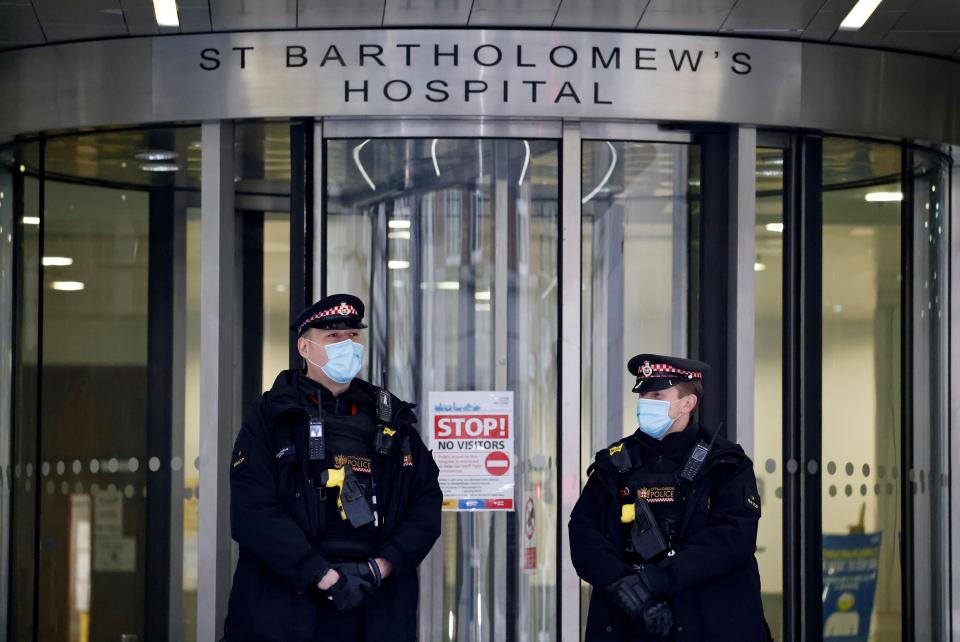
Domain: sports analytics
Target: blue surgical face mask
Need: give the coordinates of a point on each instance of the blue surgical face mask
(653, 417)
(344, 360)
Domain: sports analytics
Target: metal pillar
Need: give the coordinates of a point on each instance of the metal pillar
(219, 364)
(569, 613)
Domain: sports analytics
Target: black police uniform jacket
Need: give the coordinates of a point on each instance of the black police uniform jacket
(712, 581)
(274, 513)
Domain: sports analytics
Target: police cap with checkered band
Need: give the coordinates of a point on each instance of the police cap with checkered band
(659, 372)
(334, 312)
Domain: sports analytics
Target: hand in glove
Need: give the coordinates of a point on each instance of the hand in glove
(658, 619)
(367, 571)
(631, 594)
(350, 591)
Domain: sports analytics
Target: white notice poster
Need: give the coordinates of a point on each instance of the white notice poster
(471, 434)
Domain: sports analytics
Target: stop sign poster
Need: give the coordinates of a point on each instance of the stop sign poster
(471, 434)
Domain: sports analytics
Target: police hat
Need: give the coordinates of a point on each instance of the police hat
(334, 312)
(659, 372)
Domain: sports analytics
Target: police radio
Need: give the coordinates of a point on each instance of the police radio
(383, 442)
(316, 448)
(384, 405)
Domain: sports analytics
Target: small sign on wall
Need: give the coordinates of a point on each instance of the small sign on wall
(471, 434)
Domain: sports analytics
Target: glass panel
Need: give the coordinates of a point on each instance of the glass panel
(454, 245)
(276, 295)
(638, 204)
(23, 474)
(107, 448)
(768, 381)
(930, 466)
(96, 244)
(191, 421)
(861, 386)
(8, 170)
(263, 202)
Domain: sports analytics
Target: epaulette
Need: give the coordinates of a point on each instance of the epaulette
(619, 457)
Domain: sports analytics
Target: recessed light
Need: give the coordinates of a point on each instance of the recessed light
(883, 197)
(156, 155)
(859, 15)
(759, 267)
(31, 220)
(398, 265)
(165, 12)
(448, 285)
(403, 236)
(159, 167)
(483, 295)
(398, 224)
(775, 227)
(57, 261)
(67, 286)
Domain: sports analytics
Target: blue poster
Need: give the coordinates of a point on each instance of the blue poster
(850, 564)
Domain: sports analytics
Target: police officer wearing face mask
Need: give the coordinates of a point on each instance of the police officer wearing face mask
(334, 498)
(666, 527)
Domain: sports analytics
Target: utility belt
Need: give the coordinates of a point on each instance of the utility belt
(647, 538)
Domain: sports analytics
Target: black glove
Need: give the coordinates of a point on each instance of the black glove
(658, 619)
(363, 570)
(631, 595)
(349, 591)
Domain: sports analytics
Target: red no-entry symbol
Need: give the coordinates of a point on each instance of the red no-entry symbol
(497, 463)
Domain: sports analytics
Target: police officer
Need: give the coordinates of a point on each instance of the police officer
(666, 527)
(334, 498)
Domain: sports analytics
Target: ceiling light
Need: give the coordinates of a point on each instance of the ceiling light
(483, 295)
(166, 13)
(775, 227)
(398, 224)
(403, 236)
(360, 168)
(482, 307)
(448, 285)
(606, 177)
(67, 286)
(883, 197)
(57, 261)
(859, 15)
(398, 265)
(526, 162)
(433, 154)
(31, 220)
(159, 167)
(156, 155)
(759, 267)
(196, 144)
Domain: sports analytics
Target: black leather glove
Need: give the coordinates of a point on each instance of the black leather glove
(658, 619)
(349, 591)
(630, 594)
